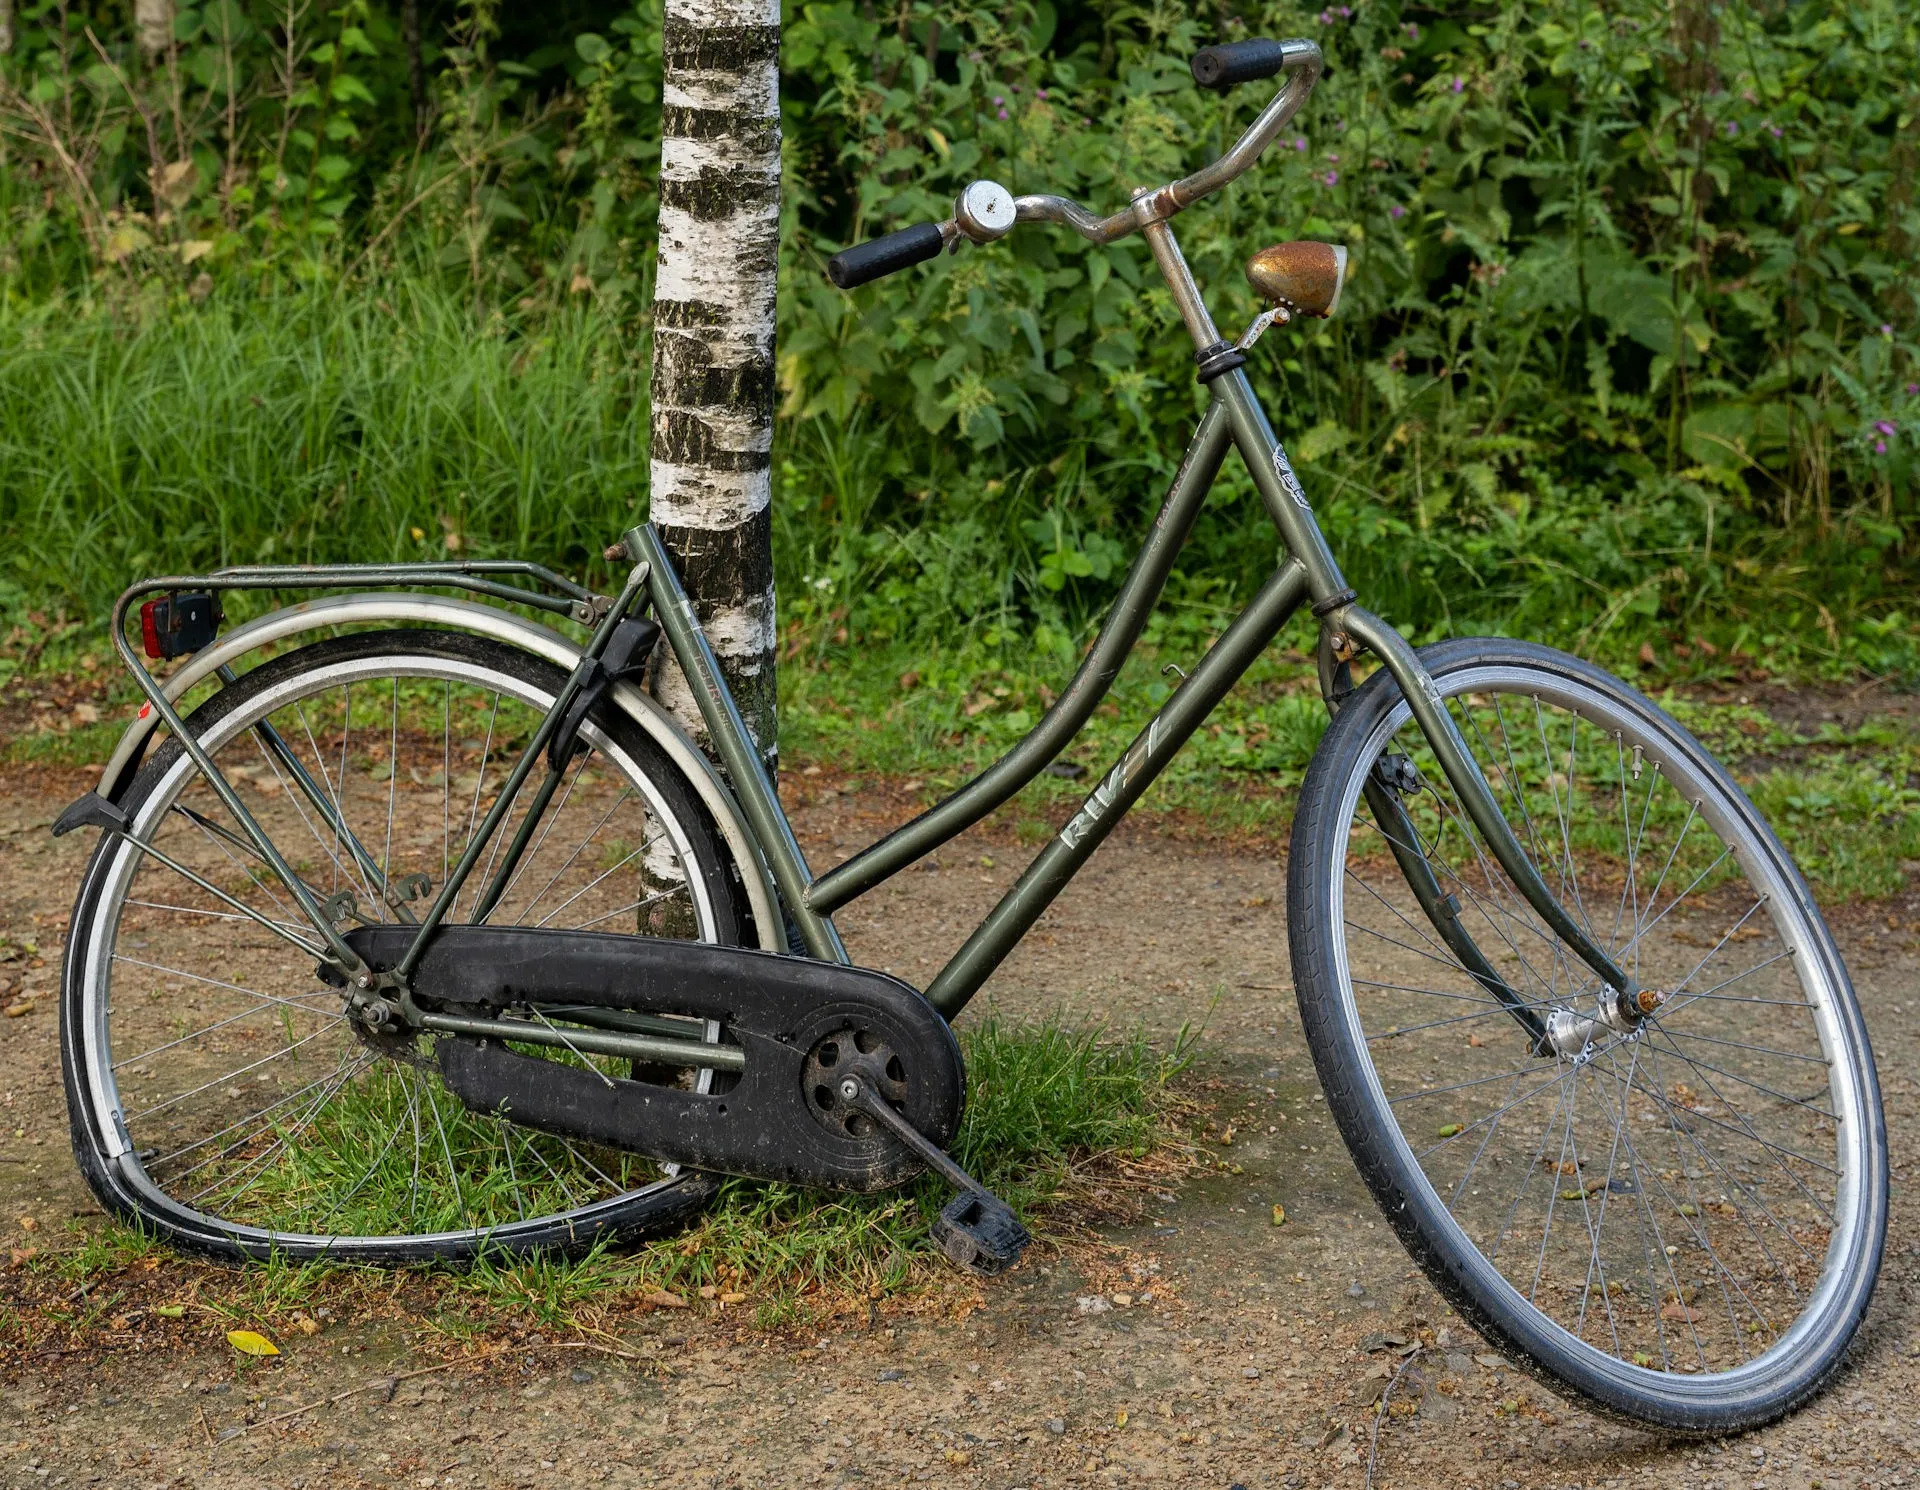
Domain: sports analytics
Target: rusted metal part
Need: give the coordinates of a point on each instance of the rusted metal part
(1303, 278)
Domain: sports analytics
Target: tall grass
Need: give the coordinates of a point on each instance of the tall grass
(303, 426)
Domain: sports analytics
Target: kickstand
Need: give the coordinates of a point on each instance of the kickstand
(976, 1230)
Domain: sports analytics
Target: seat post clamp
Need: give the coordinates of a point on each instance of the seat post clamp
(1324, 608)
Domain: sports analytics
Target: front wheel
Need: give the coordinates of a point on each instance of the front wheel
(1678, 1222)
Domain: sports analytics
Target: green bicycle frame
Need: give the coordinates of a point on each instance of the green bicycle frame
(1308, 576)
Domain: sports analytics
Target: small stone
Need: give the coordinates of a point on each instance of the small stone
(1493, 1362)
(1092, 1304)
(892, 1374)
(1122, 1300)
(1056, 1426)
(662, 1298)
(1355, 1291)
(580, 1376)
(1252, 1373)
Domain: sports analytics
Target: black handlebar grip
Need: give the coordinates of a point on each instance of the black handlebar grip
(869, 261)
(1238, 62)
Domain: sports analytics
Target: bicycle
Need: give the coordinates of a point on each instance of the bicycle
(1572, 1005)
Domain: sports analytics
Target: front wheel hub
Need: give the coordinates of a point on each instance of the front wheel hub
(1570, 1034)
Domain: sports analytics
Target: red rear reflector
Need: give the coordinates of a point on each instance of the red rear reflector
(150, 630)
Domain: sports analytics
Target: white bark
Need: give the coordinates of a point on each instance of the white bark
(153, 25)
(713, 385)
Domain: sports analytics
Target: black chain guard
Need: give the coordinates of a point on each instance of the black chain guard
(778, 1009)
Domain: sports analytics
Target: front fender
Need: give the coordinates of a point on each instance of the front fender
(502, 626)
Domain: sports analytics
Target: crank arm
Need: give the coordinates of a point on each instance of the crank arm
(977, 1230)
(1443, 910)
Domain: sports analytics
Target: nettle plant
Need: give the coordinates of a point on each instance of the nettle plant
(1622, 282)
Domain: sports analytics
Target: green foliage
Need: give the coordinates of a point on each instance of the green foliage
(1628, 353)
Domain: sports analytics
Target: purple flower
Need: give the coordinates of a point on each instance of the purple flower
(1879, 447)
(1775, 130)
(1332, 178)
(1413, 30)
(1912, 388)
(1326, 18)
(1733, 128)
(1886, 426)
(1300, 142)
(1334, 159)
(998, 100)
(1886, 328)
(1041, 94)
(1003, 113)
(1013, 87)
(1396, 212)
(1459, 85)
(1345, 11)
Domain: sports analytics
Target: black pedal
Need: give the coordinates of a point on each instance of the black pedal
(976, 1230)
(179, 624)
(980, 1233)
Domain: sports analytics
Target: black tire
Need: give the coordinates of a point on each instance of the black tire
(1363, 1060)
(111, 1167)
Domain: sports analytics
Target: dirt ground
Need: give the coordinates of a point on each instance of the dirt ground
(1239, 1354)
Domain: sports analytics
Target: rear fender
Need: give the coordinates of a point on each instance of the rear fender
(502, 626)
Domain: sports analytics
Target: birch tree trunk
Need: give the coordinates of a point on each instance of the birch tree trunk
(713, 381)
(6, 26)
(153, 24)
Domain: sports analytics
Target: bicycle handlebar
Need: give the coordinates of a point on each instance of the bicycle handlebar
(881, 256)
(980, 215)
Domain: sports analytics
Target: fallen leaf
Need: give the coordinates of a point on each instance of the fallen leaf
(1279, 1215)
(958, 1457)
(1452, 1130)
(1679, 1313)
(660, 1298)
(251, 1342)
(708, 1291)
(170, 1311)
(1120, 1418)
(28, 1223)
(306, 1325)
(733, 1297)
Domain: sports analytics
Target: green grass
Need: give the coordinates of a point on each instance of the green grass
(1053, 1109)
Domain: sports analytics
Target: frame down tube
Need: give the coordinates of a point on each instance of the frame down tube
(1077, 701)
(1061, 859)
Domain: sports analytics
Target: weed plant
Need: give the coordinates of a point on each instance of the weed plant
(1627, 358)
(1054, 1110)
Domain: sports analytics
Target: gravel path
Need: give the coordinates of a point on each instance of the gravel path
(1233, 1352)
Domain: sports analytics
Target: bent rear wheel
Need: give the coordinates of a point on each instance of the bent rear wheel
(1681, 1222)
(216, 1090)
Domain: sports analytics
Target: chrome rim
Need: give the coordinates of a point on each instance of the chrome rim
(1681, 1199)
(228, 1086)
